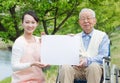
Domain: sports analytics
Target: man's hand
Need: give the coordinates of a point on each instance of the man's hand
(83, 62)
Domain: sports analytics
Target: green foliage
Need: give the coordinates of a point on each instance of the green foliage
(106, 14)
(56, 16)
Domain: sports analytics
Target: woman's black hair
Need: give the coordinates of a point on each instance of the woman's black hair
(32, 13)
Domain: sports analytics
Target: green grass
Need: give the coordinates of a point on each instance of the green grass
(6, 80)
(115, 48)
(51, 73)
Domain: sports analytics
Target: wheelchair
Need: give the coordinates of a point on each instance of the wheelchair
(115, 74)
(111, 73)
(106, 73)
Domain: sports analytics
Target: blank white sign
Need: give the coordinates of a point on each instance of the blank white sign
(60, 50)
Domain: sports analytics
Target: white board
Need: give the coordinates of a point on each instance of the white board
(60, 50)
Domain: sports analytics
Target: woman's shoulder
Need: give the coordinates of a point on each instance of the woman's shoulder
(19, 41)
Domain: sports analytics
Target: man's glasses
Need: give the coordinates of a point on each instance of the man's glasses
(88, 18)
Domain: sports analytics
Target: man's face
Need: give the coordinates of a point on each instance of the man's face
(87, 21)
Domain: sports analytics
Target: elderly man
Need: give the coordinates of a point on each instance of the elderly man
(94, 45)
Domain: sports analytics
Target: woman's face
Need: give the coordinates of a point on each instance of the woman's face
(29, 24)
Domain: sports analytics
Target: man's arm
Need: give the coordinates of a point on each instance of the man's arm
(103, 51)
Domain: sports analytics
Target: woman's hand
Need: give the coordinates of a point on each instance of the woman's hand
(40, 65)
(71, 35)
(42, 33)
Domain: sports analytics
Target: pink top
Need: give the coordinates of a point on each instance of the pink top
(23, 54)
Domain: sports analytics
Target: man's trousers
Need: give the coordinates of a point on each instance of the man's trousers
(92, 73)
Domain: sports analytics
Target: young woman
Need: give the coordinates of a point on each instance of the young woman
(26, 53)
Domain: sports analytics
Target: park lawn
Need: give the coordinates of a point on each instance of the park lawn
(6, 80)
(115, 48)
(51, 73)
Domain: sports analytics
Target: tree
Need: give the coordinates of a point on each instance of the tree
(53, 13)
(56, 16)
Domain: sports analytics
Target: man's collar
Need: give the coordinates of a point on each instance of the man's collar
(90, 34)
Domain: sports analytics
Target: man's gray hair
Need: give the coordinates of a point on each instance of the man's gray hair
(87, 9)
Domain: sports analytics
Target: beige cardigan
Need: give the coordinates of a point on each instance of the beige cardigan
(95, 41)
(23, 54)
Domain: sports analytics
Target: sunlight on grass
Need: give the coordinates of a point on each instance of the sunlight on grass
(51, 74)
(6, 80)
(115, 48)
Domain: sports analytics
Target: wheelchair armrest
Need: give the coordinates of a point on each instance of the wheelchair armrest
(107, 58)
(118, 72)
(106, 68)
